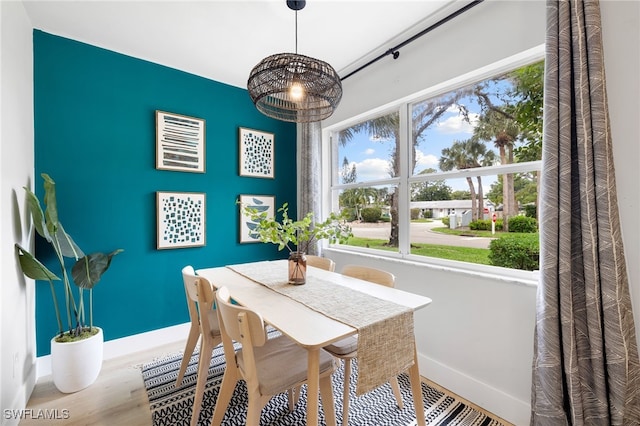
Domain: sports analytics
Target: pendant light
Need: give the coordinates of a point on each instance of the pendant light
(293, 87)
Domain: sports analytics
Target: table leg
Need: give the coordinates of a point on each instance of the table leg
(313, 386)
(416, 389)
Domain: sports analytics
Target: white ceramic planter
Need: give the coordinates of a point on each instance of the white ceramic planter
(76, 365)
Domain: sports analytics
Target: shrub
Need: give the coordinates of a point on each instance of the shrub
(371, 214)
(349, 214)
(445, 221)
(516, 252)
(427, 214)
(481, 225)
(415, 214)
(523, 224)
(485, 225)
(530, 210)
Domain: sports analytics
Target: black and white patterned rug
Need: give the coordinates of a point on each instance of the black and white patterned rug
(171, 405)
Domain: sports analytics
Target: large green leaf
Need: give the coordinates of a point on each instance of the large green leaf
(87, 271)
(36, 214)
(51, 211)
(32, 267)
(65, 243)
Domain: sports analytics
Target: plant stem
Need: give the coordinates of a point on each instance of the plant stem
(55, 304)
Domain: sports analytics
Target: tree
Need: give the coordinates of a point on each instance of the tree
(466, 155)
(358, 198)
(431, 190)
(498, 126)
(348, 173)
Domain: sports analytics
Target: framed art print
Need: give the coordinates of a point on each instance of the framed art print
(181, 219)
(180, 143)
(261, 203)
(256, 153)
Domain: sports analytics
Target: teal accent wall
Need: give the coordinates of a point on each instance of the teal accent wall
(95, 136)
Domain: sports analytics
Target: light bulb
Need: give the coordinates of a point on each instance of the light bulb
(296, 91)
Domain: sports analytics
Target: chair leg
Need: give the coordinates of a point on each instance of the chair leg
(345, 401)
(396, 391)
(192, 340)
(253, 411)
(206, 348)
(328, 404)
(291, 395)
(229, 381)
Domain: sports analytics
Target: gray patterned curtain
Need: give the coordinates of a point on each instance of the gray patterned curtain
(585, 369)
(309, 165)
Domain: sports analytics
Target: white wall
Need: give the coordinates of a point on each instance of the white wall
(621, 39)
(476, 338)
(17, 350)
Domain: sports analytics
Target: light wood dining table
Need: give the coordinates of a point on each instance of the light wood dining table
(311, 329)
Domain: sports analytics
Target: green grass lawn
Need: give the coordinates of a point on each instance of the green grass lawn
(445, 230)
(463, 254)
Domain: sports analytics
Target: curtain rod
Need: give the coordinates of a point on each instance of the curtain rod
(394, 50)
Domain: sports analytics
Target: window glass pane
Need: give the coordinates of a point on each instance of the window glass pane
(368, 210)
(367, 151)
(489, 123)
(452, 219)
(495, 121)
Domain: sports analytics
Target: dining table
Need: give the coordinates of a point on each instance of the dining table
(329, 307)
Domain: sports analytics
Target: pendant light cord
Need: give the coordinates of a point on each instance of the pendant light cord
(296, 32)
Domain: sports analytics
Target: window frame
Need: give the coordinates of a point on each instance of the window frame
(405, 176)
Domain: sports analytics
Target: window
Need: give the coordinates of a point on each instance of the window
(444, 175)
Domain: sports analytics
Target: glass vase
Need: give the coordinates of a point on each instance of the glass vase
(297, 268)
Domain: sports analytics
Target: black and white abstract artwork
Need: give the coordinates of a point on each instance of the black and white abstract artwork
(181, 219)
(256, 153)
(180, 143)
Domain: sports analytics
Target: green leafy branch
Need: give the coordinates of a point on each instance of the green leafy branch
(299, 233)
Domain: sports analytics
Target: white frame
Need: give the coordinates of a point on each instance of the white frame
(194, 223)
(268, 201)
(329, 160)
(180, 143)
(256, 163)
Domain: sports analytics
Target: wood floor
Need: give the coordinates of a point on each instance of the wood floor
(117, 398)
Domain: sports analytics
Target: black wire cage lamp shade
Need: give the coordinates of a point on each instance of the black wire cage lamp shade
(293, 87)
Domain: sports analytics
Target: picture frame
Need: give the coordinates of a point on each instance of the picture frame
(256, 152)
(266, 203)
(180, 142)
(180, 219)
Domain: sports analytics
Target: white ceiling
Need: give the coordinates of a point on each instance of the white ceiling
(223, 40)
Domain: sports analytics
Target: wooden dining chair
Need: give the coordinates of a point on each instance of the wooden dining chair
(347, 348)
(204, 327)
(321, 262)
(268, 366)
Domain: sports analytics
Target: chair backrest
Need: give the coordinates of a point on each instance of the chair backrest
(200, 297)
(236, 321)
(377, 276)
(321, 262)
(189, 278)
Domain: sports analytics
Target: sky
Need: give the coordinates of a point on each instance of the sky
(371, 157)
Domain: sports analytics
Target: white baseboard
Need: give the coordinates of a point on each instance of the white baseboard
(127, 345)
(491, 399)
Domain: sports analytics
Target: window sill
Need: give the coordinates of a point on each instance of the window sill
(514, 276)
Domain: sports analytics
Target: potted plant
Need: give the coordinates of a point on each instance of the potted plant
(300, 234)
(76, 352)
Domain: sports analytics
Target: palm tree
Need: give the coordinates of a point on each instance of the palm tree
(479, 156)
(500, 128)
(457, 157)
